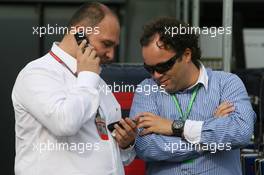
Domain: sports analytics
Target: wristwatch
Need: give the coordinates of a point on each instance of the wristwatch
(177, 127)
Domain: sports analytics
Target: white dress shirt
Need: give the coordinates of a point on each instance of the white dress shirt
(55, 125)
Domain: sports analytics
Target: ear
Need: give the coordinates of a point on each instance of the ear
(160, 44)
(187, 55)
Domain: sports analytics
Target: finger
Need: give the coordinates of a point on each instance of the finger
(83, 44)
(97, 59)
(145, 132)
(119, 139)
(222, 107)
(89, 45)
(87, 51)
(136, 118)
(93, 54)
(117, 136)
(120, 130)
(144, 119)
(131, 123)
(228, 110)
(222, 116)
(80, 48)
(114, 133)
(144, 114)
(127, 128)
(145, 124)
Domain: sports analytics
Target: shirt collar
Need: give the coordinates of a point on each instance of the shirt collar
(69, 60)
(202, 79)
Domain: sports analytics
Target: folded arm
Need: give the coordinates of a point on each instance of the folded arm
(236, 129)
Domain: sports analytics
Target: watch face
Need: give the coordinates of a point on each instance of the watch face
(178, 124)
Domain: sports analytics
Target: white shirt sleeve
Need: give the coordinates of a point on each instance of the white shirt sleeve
(192, 131)
(128, 155)
(61, 110)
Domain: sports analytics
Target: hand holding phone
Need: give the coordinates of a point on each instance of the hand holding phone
(125, 133)
(87, 59)
(112, 128)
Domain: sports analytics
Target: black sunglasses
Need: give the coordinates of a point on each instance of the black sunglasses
(161, 67)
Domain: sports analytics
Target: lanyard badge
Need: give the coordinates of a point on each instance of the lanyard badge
(184, 116)
(100, 123)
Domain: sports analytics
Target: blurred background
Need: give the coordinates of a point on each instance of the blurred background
(18, 44)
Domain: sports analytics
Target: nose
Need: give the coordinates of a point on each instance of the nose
(110, 54)
(156, 75)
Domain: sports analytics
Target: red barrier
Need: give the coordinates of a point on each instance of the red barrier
(137, 167)
(125, 99)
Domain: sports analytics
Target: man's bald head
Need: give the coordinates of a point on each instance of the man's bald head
(90, 14)
(100, 27)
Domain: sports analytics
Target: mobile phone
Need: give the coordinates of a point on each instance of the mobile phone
(80, 36)
(112, 128)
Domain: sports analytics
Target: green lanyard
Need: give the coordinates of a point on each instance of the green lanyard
(186, 115)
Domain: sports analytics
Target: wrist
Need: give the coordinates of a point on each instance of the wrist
(177, 128)
(128, 146)
(170, 131)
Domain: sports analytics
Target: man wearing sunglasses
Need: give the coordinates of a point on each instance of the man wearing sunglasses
(198, 124)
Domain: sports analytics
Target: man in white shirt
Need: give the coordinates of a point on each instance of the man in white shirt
(62, 107)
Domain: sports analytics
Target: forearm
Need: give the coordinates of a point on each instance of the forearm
(164, 148)
(232, 129)
(235, 130)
